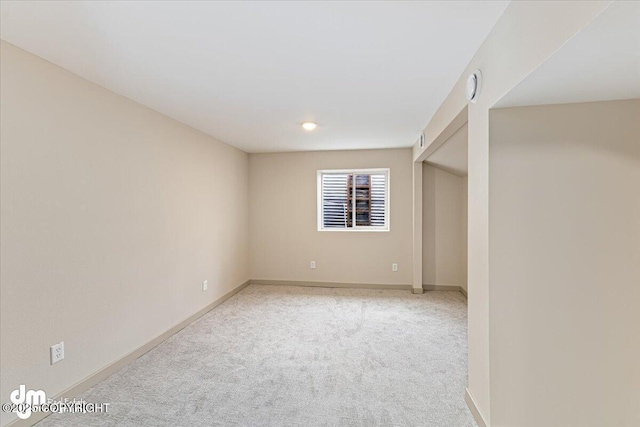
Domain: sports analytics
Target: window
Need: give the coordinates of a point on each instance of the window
(353, 200)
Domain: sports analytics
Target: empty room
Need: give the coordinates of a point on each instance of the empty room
(320, 213)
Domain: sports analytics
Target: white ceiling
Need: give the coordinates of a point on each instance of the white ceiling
(372, 74)
(452, 156)
(602, 62)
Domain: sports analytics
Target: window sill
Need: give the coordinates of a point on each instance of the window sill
(354, 230)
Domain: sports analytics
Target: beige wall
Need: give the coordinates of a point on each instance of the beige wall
(565, 265)
(523, 38)
(284, 234)
(464, 235)
(112, 215)
(444, 238)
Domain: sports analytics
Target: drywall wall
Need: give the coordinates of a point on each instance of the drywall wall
(464, 234)
(564, 229)
(526, 35)
(283, 217)
(453, 155)
(444, 238)
(112, 215)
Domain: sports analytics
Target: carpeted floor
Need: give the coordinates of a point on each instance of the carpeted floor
(295, 356)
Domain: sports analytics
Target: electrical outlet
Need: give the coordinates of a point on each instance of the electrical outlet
(313, 264)
(205, 285)
(394, 267)
(57, 352)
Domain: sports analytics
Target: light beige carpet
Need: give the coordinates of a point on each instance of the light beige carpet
(297, 356)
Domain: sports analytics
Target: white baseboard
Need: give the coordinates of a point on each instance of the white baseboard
(329, 284)
(432, 287)
(474, 409)
(100, 375)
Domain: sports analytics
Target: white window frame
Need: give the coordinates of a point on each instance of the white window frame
(356, 228)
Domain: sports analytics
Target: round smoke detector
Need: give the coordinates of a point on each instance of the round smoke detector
(474, 84)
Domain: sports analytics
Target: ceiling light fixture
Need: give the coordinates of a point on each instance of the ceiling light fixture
(309, 125)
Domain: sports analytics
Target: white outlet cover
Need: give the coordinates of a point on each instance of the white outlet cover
(57, 352)
(313, 264)
(394, 267)
(205, 285)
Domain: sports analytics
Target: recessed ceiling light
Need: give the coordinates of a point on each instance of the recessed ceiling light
(309, 125)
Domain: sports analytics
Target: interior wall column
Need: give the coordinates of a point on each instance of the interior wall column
(417, 227)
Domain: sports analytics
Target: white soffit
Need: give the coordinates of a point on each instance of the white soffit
(602, 62)
(371, 74)
(452, 156)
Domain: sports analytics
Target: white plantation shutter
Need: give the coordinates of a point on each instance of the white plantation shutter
(378, 199)
(357, 199)
(334, 200)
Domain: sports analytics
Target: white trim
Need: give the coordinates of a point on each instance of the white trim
(319, 200)
(355, 228)
(356, 171)
(477, 415)
(435, 287)
(360, 229)
(261, 282)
